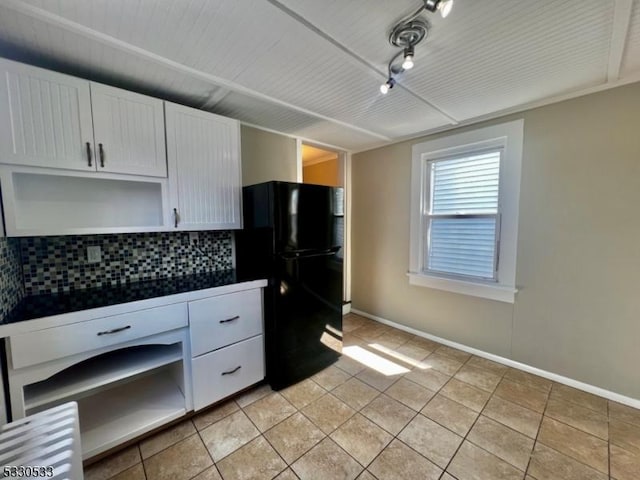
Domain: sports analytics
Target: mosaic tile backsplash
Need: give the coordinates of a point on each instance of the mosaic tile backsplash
(11, 285)
(59, 264)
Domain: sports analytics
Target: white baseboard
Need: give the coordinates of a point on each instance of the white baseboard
(601, 392)
(346, 308)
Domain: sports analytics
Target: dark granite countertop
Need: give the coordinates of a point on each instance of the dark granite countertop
(37, 306)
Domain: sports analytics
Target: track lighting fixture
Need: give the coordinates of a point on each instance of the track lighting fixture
(406, 34)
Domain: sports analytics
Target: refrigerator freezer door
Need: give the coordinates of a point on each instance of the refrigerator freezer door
(305, 216)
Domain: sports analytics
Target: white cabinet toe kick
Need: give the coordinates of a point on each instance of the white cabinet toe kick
(137, 370)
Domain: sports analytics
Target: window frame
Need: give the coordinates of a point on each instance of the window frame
(508, 137)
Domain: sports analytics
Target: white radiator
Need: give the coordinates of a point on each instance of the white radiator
(43, 445)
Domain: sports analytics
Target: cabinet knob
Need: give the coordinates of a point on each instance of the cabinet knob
(101, 151)
(89, 153)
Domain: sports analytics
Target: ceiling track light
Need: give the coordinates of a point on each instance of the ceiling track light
(407, 64)
(388, 85)
(406, 34)
(443, 6)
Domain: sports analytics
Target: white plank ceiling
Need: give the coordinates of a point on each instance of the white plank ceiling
(312, 68)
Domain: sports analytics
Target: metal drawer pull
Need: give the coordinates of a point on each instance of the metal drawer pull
(115, 330)
(232, 371)
(175, 218)
(230, 319)
(89, 153)
(101, 155)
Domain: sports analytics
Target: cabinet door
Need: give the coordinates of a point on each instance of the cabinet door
(129, 132)
(203, 151)
(45, 118)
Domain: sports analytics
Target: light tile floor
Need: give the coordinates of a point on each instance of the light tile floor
(396, 406)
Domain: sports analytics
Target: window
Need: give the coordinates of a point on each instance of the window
(462, 218)
(465, 192)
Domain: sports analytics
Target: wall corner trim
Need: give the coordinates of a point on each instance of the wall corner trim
(609, 395)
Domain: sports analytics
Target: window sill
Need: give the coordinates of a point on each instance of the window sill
(501, 293)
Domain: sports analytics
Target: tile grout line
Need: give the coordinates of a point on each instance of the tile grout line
(144, 470)
(608, 439)
(445, 470)
(535, 442)
(207, 449)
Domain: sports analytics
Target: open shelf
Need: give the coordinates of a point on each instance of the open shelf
(50, 203)
(96, 373)
(122, 413)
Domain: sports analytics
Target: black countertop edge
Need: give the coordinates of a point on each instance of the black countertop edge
(37, 306)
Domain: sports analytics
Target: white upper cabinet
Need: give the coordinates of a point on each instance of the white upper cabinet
(203, 152)
(52, 120)
(45, 118)
(129, 132)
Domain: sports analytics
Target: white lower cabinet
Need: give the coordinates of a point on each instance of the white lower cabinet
(131, 368)
(129, 373)
(221, 373)
(227, 344)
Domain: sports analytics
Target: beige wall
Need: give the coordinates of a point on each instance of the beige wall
(323, 173)
(578, 311)
(267, 156)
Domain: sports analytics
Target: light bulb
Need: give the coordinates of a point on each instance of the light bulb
(445, 7)
(384, 88)
(408, 62)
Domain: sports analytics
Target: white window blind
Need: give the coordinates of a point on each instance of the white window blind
(462, 215)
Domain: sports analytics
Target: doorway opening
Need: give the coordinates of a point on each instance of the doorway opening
(321, 166)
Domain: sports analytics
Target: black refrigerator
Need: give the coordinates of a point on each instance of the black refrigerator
(293, 236)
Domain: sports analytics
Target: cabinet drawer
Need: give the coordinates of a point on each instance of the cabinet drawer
(219, 321)
(224, 372)
(58, 342)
